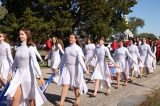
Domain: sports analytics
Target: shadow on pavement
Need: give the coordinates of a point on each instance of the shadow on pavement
(52, 98)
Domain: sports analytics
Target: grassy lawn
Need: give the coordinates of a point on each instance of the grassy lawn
(152, 99)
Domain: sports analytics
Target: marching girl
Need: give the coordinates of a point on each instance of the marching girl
(133, 67)
(120, 57)
(6, 59)
(55, 54)
(23, 89)
(153, 60)
(88, 52)
(145, 53)
(101, 73)
(71, 75)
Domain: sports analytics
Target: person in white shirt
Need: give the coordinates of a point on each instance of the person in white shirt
(23, 89)
(6, 59)
(145, 53)
(101, 73)
(71, 75)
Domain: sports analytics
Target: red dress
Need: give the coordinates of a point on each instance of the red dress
(48, 45)
(158, 51)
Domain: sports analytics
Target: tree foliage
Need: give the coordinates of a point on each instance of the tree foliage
(59, 17)
(135, 23)
(3, 12)
(147, 35)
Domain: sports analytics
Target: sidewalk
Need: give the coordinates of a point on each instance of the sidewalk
(131, 95)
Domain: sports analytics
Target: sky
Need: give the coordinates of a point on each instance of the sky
(149, 11)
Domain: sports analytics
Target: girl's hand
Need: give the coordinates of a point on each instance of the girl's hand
(41, 81)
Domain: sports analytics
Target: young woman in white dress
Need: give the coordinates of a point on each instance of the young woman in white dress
(145, 53)
(133, 67)
(6, 59)
(153, 60)
(120, 57)
(101, 73)
(55, 54)
(23, 89)
(88, 52)
(71, 75)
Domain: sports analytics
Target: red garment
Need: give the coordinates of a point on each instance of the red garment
(114, 45)
(48, 45)
(158, 51)
(126, 43)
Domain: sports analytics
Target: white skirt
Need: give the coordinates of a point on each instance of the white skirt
(55, 61)
(73, 76)
(5, 68)
(30, 88)
(102, 73)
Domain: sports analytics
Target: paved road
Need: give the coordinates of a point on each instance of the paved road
(130, 95)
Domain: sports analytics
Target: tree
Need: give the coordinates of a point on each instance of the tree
(147, 35)
(134, 23)
(3, 12)
(59, 17)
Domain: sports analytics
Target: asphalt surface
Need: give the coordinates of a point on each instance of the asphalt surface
(131, 95)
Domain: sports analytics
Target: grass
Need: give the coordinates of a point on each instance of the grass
(152, 99)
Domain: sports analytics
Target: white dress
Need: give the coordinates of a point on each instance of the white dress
(153, 60)
(88, 51)
(101, 70)
(73, 69)
(133, 50)
(55, 56)
(120, 56)
(6, 60)
(145, 53)
(24, 76)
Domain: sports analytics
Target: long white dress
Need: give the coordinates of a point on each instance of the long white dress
(133, 50)
(6, 60)
(145, 53)
(73, 67)
(120, 56)
(101, 70)
(153, 60)
(88, 51)
(55, 56)
(24, 76)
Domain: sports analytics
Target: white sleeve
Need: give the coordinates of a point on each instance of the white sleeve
(109, 55)
(37, 53)
(34, 61)
(80, 60)
(137, 53)
(9, 54)
(129, 55)
(149, 51)
(155, 49)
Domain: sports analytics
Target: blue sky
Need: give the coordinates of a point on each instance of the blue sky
(149, 11)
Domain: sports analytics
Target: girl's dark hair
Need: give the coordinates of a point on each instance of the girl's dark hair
(90, 40)
(77, 39)
(101, 38)
(56, 44)
(29, 36)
